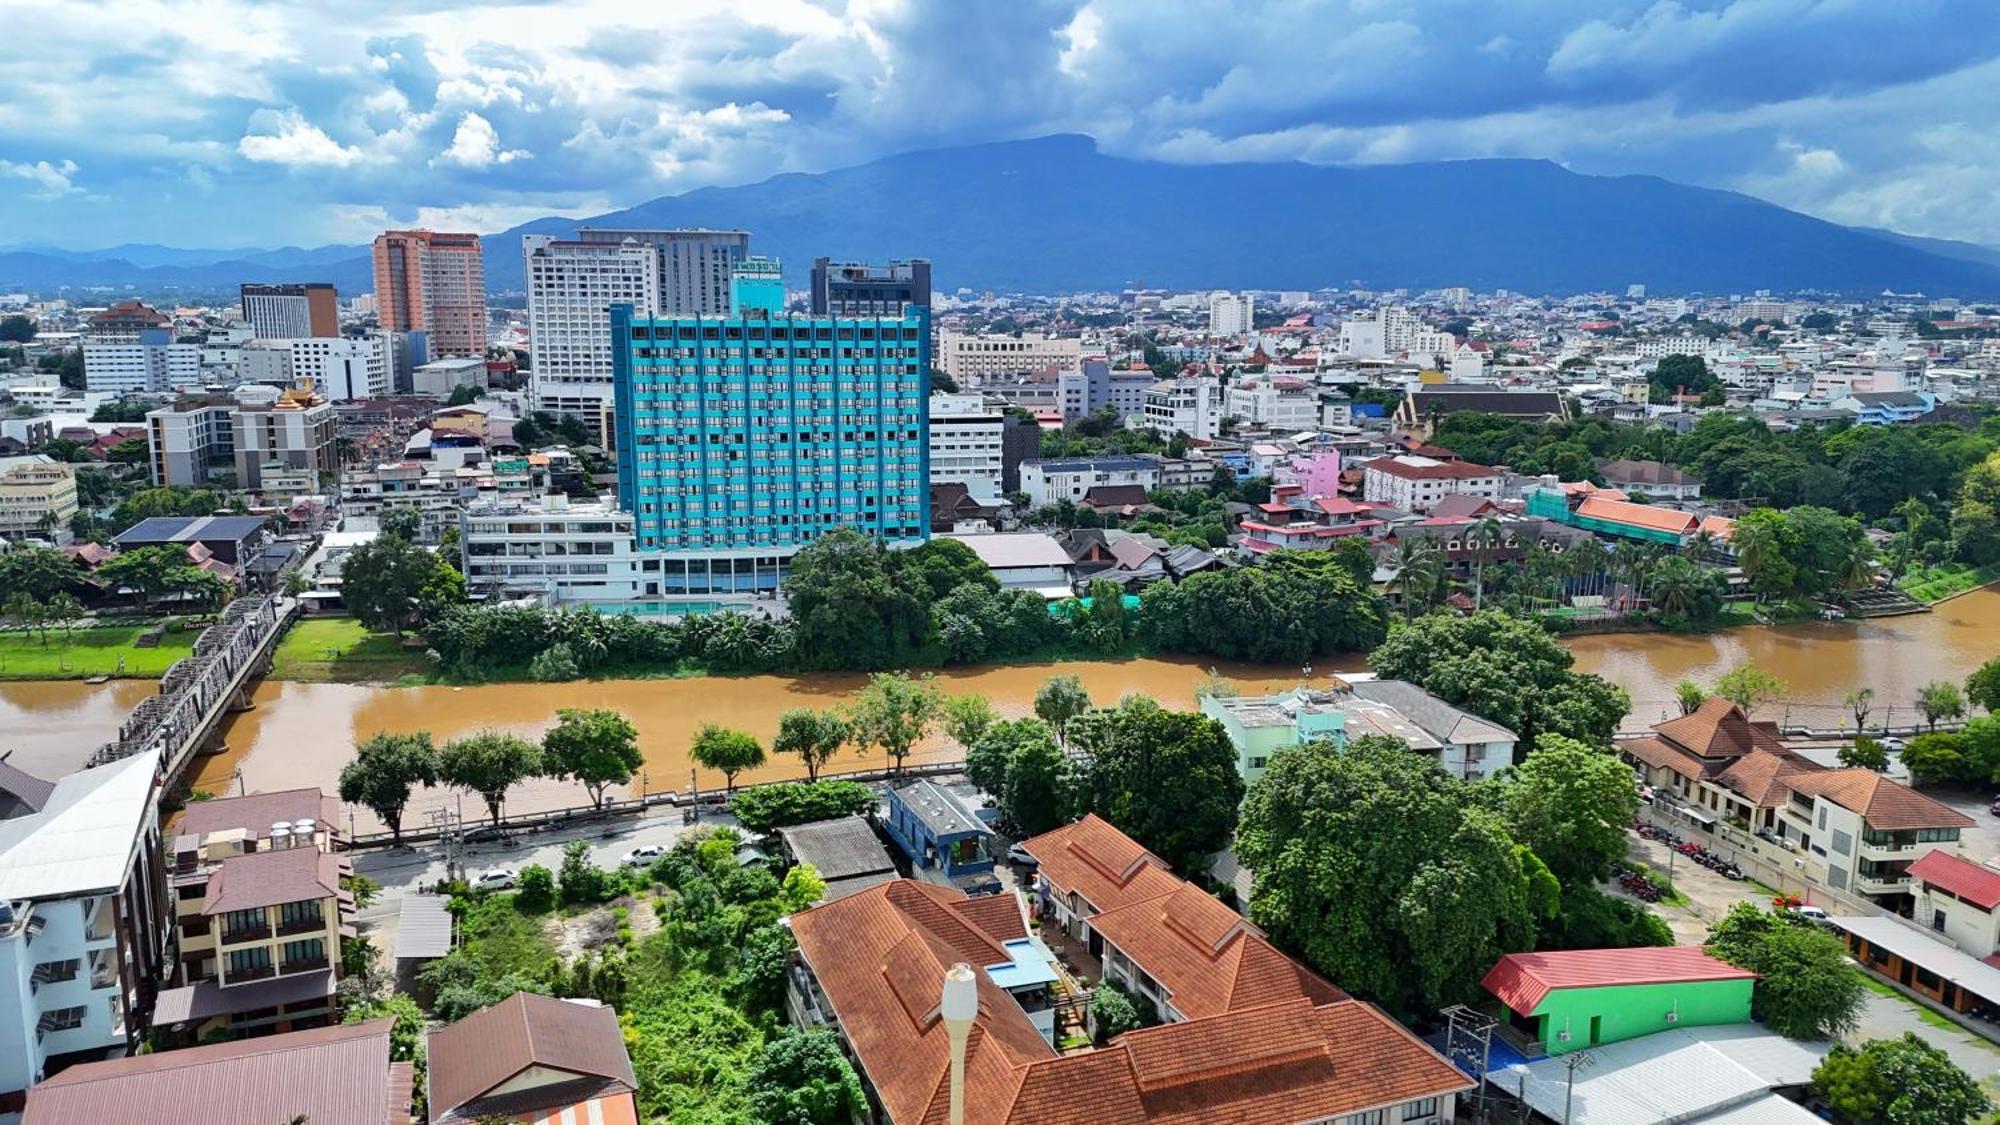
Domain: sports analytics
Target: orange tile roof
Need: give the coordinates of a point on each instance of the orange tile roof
(1107, 868)
(1719, 729)
(1654, 518)
(1762, 775)
(1206, 957)
(1523, 980)
(1884, 804)
(1722, 527)
(1976, 883)
(1662, 754)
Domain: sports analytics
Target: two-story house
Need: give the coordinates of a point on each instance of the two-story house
(82, 920)
(1959, 900)
(260, 913)
(1463, 744)
(1849, 830)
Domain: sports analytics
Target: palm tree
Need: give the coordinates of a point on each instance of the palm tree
(1756, 547)
(1854, 568)
(1701, 545)
(1860, 701)
(1412, 563)
(1485, 535)
(1591, 558)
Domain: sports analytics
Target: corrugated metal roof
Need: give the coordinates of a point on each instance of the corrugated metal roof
(1925, 952)
(1688, 1075)
(423, 928)
(83, 838)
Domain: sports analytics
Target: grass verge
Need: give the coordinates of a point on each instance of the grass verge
(1936, 583)
(341, 650)
(92, 652)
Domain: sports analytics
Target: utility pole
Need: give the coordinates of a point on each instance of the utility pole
(1573, 1062)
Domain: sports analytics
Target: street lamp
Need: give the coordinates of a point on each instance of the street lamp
(1573, 1062)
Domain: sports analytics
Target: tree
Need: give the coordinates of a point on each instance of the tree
(945, 565)
(1572, 805)
(894, 712)
(987, 760)
(383, 581)
(1165, 778)
(1806, 987)
(1507, 670)
(462, 395)
(1690, 696)
(1865, 753)
(1059, 700)
(39, 572)
(63, 611)
(403, 521)
(803, 1078)
(966, 717)
(385, 768)
(26, 613)
(16, 329)
(131, 451)
(1982, 687)
(1749, 686)
(580, 882)
(1034, 793)
(1940, 701)
(1861, 701)
(489, 763)
(726, 750)
(146, 571)
(596, 747)
(1902, 1081)
(1383, 872)
(852, 605)
(813, 736)
(1934, 758)
(1114, 1011)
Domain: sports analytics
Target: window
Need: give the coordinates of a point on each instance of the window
(244, 922)
(250, 962)
(312, 949)
(1419, 1109)
(1372, 1117)
(307, 913)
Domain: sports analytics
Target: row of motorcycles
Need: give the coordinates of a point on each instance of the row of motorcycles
(1637, 884)
(1724, 867)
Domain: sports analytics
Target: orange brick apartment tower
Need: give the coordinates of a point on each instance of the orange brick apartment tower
(435, 283)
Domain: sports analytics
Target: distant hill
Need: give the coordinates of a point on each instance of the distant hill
(1054, 214)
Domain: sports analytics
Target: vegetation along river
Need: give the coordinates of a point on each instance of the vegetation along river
(301, 733)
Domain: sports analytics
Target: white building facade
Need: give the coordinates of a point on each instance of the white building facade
(971, 357)
(1417, 484)
(559, 551)
(571, 288)
(1183, 406)
(965, 444)
(1230, 314)
(1048, 481)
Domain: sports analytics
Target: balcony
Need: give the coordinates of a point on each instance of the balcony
(245, 976)
(313, 925)
(306, 965)
(247, 933)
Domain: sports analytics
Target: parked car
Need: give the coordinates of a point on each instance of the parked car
(1813, 914)
(1020, 854)
(494, 879)
(1994, 808)
(643, 855)
(1893, 743)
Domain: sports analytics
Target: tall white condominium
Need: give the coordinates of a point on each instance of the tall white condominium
(965, 444)
(1229, 314)
(695, 265)
(571, 287)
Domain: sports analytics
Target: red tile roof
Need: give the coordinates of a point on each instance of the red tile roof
(1207, 958)
(1976, 883)
(331, 1075)
(1107, 868)
(1661, 754)
(1884, 804)
(1523, 980)
(1444, 470)
(1650, 516)
(1719, 729)
(1763, 775)
(246, 882)
(483, 1051)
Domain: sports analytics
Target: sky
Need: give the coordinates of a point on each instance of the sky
(235, 123)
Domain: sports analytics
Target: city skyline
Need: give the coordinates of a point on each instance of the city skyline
(1863, 115)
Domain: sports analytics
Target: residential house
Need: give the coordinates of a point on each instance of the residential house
(955, 509)
(260, 911)
(1959, 900)
(1050, 481)
(1882, 408)
(1023, 560)
(1572, 999)
(846, 853)
(941, 834)
(871, 966)
(531, 1059)
(236, 540)
(1468, 746)
(1463, 744)
(83, 935)
(1652, 479)
(340, 1075)
(1849, 830)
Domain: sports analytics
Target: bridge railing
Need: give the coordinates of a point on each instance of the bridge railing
(196, 683)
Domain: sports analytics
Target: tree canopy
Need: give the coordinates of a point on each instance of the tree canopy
(1806, 987)
(385, 768)
(1572, 804)
(1293, 607)
(1901, 1081)
(595, 747)
(727, 751)
(489, 763)
(1167, 779)
(1507, 670)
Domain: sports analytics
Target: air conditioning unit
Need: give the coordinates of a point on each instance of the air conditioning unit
(1562, 1036)
(1673, 1017)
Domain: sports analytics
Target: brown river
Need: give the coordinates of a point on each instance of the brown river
(300, 734)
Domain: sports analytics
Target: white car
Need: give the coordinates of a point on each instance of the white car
(1812, 914)
(1894, 743)
(643, 855)
(496, 879)
(1020, 854)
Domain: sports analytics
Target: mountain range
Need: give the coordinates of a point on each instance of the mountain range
(1054, 214)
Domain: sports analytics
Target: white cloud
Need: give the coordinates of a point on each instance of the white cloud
(295, 142)
(477, 145)
(52, 181)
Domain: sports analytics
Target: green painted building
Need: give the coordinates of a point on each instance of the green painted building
(1573, 999)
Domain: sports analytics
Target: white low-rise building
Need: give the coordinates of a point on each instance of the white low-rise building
(965, 444)
(1416, 484)
(553, 549)
(1284, 404)
(1050, 481)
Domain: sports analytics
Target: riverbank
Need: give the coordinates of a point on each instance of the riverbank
(109, 650)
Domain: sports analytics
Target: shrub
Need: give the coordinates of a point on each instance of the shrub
(1114, 1011)
(583, 882)
(535, 890)
(555, 664)
(780, 806)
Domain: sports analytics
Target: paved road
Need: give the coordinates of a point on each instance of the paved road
(405, 870)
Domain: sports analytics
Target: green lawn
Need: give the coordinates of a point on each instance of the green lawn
(340, 650)
(91, 652)
(1936, 583)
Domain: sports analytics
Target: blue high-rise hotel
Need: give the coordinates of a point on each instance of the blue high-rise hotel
(743, 438)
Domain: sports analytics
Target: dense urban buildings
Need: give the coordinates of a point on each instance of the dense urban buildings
(695, 266)
(435, 283)
(572, 285)
(289, 312)
(742, 438)
(970, 358)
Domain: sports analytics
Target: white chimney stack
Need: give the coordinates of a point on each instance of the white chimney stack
(958, 1006)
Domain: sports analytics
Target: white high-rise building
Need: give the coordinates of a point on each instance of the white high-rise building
(571, 287)
(1188, 406)
(965, 444)
(1229, 314)
(340, 368)
(1395, 331)
(970, 357)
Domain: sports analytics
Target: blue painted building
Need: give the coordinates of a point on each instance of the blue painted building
(742, 438)
(1886, 408)
(937, 829)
